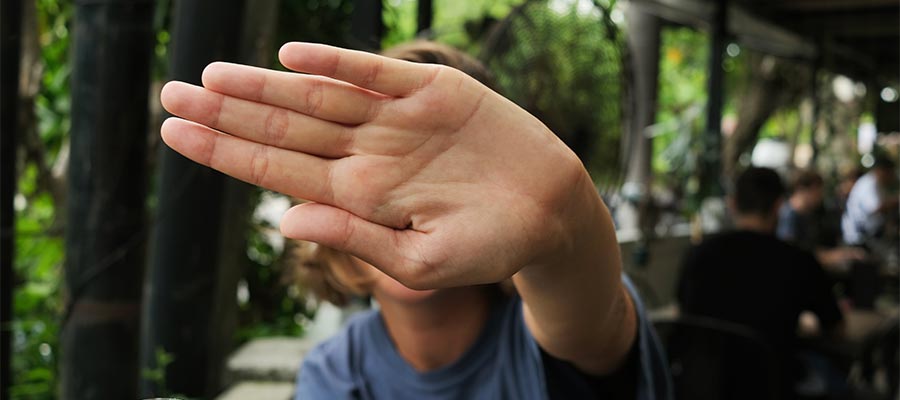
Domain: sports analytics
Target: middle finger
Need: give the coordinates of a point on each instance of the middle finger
(316, 96)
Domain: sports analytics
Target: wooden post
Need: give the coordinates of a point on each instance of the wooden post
(10, 54)
(643, 46)
(105, 229)
(425, 15)
(816, 106)
(367, 26)
(712, 154)
(181, 314)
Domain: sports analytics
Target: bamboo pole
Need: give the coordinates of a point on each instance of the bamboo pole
(105, 234)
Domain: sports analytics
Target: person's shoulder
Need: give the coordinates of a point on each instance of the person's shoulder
(786, 210)
(732, 245)
(797, 258)
(332, 360)
(864, 186)
(715, 241)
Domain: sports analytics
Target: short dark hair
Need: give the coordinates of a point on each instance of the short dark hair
(806, 179)
(756, 191)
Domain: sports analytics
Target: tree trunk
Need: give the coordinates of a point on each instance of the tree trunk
(710, 173)
(106, 229)
(10, 48)
(200, 242)
(367, 27)
(775, 83)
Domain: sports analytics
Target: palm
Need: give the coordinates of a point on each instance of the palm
(418, 169)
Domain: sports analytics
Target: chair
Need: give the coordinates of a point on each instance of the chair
(712, 359)
(881, 355)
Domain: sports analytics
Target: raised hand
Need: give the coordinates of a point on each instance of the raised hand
(418, 169)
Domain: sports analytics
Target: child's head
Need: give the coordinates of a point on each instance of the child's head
(334, 276)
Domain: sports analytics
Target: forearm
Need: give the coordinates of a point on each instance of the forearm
(576, 306)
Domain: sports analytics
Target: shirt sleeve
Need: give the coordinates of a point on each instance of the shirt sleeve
(644, 375)
(325, 374)
(654, 381)
(787, 221)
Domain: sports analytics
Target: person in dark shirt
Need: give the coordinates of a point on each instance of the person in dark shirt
(804, 222)
(750, 277)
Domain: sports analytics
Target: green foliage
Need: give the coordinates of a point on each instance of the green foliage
(39, 249)
(161, 20)
(270, 305)
(157, 374)
(681, 98)
(783, 125)
(464, 24)
(681, 107)
(53, 104)
(400, 22)
(681, 102)
(38, 265)
(561, 61)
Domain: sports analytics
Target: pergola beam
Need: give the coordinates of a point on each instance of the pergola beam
(825, 5)
(868, 24)
(750, 30)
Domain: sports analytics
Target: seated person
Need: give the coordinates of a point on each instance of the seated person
(800, 223)
(427, 188)
(749, 277)
(869, 204)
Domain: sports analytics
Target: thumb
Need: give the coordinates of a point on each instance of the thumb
(341, 230)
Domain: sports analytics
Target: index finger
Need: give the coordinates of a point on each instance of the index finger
(371, 71)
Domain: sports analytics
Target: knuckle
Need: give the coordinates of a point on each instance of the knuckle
(314, 97)
(259, 165)
(276, 128)
(419, 275)
(209, 150)
(436, 71)
(259, 86)
(345, 140)
(372, 73)
(346, 233)
(374, 110)
(215, 112)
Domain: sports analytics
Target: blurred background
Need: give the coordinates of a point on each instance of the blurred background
(128, 271)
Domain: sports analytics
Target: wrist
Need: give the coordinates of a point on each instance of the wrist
(584, 230)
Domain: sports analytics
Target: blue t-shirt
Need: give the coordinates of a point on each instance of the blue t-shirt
(505, 362)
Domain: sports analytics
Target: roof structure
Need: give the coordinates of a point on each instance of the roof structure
(858, 38)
